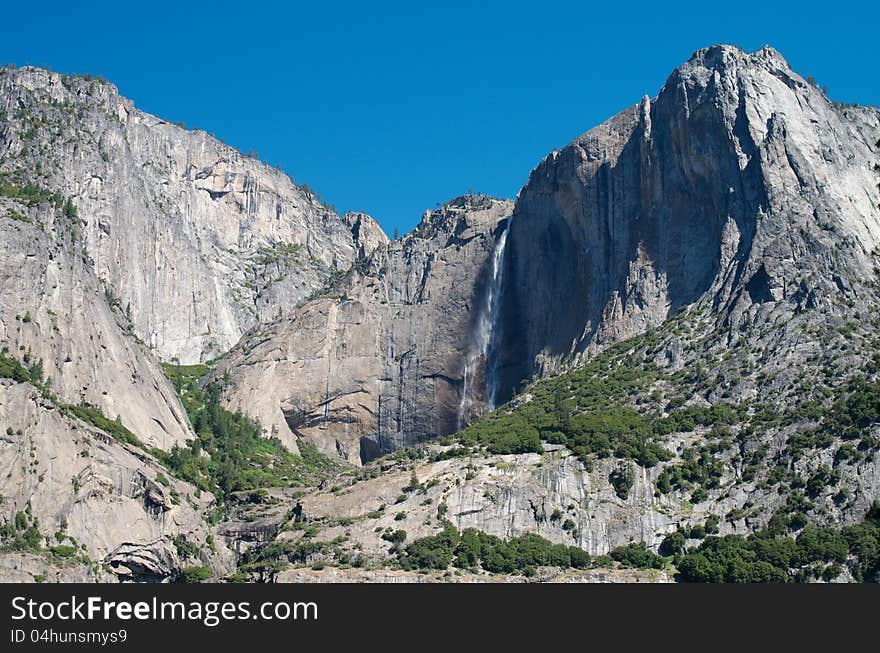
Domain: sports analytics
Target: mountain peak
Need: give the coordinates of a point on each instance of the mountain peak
(723, 54)
(733, 172)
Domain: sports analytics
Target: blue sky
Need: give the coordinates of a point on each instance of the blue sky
(392, 107)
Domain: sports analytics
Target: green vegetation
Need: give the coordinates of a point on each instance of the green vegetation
(64, 551)
(637, 556)
(29, 194)
(185, 379)
(14, 187)
(11, 368)
(16, 216)
(673, 544)
(818, 552)
(93, 415)
(22, 534)
(586, 410)
(850, 415)
(278, 252)
(698, 468)
(579, 409)
(622, 479)
(473, 549)
(239, 457)
(395, 537)
(622, 405)
(274, 557)
(854, 409)
(69, 210)
(193, 575)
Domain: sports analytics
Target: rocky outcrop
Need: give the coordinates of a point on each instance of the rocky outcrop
(195, 242)
(739, 184)
(366, 234)
(32, 568)
(109, 502)
(340, 575)
(550, 494)
(376, 361)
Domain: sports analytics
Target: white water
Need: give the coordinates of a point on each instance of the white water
(484, 344)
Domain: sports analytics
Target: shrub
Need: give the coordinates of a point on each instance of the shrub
(23, 534)
(63, 551)
(622, 479)
(395, 537)
(637, 556)
(184, 548)
(193, 575)
(673, 544)
(712, 522)
(434, 552)
(699, 468)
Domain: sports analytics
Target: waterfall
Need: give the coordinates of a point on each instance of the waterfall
(485, 342)
(494, 306)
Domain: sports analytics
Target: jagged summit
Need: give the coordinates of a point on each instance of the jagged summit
(738, 181)
(471, 201)
(725, 54)
(458, 213)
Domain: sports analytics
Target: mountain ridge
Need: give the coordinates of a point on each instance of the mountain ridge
(678, 306)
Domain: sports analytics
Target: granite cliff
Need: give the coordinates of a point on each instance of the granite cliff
(740, 186)
(377, 361)
(195, 241)
(724, 235)
(671, 333)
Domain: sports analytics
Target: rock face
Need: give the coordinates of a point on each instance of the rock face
(111, 502)
(740, 187)
(736, 212)
(339, 575)
(124, 238)
(53, 309)
(378, 360)
(550, 494)
(740, 183)
(196, 242)
(31, 568)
